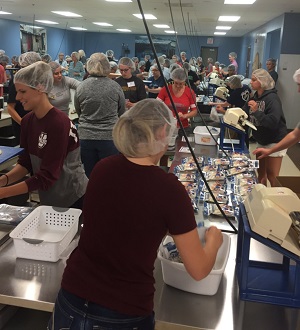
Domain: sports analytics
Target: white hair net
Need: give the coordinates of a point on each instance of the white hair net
(296, 76)
(37, 75)
(144, 130)
(264, 78)
(234, 81)
(28, 58)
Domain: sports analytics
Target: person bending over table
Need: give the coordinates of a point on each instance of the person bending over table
(130, 205)
(51, 145)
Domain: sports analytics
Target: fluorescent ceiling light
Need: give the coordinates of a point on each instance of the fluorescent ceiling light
(45, 21)
(161, 26)
(220, 33)
(223, 27)
(4, 13)
(147, 16)
(78, 28)
(229, 18)
(124, 30)
(66, 13)
(118, 0)
(102, 24)
(169, 31)
(239, 2)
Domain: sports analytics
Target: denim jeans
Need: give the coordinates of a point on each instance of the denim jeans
(94, 150)
(74, 313)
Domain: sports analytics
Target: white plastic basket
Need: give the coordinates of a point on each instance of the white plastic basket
(175, 274)
(45, 233)
(202, 135)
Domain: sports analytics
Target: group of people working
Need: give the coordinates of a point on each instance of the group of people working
(108, 281)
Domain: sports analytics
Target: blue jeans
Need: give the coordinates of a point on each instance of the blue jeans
(94, 150)
(74, 313)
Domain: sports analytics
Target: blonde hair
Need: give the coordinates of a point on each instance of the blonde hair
(136, 133)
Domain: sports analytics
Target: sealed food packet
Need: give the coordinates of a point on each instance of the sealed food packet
(13, 215)
(212, 209)
(215, 175)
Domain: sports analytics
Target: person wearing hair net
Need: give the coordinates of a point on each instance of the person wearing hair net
(51, 145)
(60, 94)
(289, 140)
(99, 102)
(14, 107)
(4, 60)
(265, 112)
(239, 95)
(132, 86)
(184, 99)
(108, 282)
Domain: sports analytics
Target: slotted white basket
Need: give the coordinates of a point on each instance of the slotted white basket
(45, 233)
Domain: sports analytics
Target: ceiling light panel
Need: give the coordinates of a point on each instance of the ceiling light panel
(5, 13)
(147, 16)
(229, 18)
(239, 2)
(124, 30)
(78, 28)
(223, 27)
(66, 13)
(102, 24)
(219, 33)
(45, 21)
(118, 0)
(161, 26)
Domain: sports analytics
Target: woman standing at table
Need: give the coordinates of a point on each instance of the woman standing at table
(108, 282)
(184, 98)
(51, 145)
(265, 112)
(76, 68)
(60, 94)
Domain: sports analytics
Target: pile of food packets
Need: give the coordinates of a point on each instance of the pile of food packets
(229, 178)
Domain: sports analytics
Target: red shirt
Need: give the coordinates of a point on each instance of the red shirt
(182, 103)
(128, 209)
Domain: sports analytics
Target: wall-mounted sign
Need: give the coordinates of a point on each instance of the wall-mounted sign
(210, 41)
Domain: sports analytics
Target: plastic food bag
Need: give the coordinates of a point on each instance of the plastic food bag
(214, 114)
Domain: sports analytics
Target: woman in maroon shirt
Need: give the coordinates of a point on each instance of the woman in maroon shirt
(130, 205)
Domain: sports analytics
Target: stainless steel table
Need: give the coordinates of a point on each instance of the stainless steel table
(34, 284)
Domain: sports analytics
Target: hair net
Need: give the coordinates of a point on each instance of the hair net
(179, 74)
(186, 66)
(141, 63)
(296, 76)
(161, 60)
(263, 76)
(46, 58)
(37, 75)
(144, 130)
(174, 66)
(98, 65)
(234, 81)
(127, 61)
(110, 53)
(54, 65)
(233, 54)
(113, 64)
(4, 59)
(29, 58)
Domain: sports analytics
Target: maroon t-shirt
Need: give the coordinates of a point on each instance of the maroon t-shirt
(128, 209)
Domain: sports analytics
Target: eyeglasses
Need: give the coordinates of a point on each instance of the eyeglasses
(124, 70)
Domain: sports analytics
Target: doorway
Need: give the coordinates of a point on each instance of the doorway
(207, 52)
(248, 62)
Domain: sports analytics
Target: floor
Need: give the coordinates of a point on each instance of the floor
(37, 320)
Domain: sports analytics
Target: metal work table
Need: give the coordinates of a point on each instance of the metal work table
(34, 284)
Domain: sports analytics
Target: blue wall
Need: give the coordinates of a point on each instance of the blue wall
(281, 37)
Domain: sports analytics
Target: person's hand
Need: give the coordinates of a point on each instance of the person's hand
(181, 115)
(219, 108)
(261, 153)
(253, 105)
(214, 235)
(129, 104)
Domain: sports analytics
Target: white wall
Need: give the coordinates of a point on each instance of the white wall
(288, 89)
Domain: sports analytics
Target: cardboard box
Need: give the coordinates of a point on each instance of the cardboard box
(291, 182)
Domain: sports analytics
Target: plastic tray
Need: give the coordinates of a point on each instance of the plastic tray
(175, 274)
(45, 233)
(203, 135)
